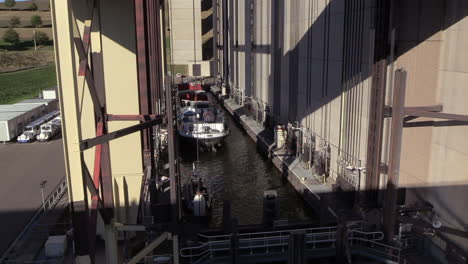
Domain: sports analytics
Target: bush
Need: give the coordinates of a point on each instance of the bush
(36, 20)
(33, 6)
(10, 3)
(14, 21)
(11, 36)
(41, 38)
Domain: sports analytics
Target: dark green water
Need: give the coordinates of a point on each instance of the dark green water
(238, 173)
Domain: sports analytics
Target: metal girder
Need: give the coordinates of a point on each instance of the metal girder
(446, 123)
(89, 143)
(148, 249)
(424, 224)
(97, 203)
(110, 117)
(433, 112)
(122, 227)
(143, 80)
(431, 108)
(389, 213)
(448, 116)
(376, 122)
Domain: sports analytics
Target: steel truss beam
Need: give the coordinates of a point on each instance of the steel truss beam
(100, 183)
(401, 116)
(443, 229)
(91, 142)
(131, 117)
(140, 255)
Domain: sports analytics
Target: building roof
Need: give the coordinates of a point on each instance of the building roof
(8, 112)
(36, 101)
(53, 88)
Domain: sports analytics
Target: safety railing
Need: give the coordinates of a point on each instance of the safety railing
(278, 241)
(56, 194)
(268, 241)
(371, 241)
(49, 203)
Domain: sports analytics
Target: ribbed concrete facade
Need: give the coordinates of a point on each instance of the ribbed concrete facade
(306, 62)
(186, 35)
(311, 62)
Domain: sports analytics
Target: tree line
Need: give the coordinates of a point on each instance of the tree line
(12, 37)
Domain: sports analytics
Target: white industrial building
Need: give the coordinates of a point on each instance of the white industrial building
(14, 117)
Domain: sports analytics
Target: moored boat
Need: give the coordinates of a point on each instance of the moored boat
(200, 119)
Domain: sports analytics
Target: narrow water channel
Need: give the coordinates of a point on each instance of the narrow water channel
(239, 174)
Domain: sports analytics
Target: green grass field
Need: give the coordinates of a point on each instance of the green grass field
(27, 84)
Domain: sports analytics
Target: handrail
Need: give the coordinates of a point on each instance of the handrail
(271, 232)
(276, 239)
(51, 200)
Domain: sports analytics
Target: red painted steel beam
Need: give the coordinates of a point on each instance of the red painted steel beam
(89, 143)
(95, 198)
(106, 180)
(143, 118)
(143, 80)
(85, 50)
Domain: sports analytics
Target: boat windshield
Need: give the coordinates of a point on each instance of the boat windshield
(28, 129)
(46, 128)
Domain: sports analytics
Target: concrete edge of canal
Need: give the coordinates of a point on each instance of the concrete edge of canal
(314, 193)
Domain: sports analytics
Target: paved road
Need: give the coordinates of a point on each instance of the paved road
(22, 168)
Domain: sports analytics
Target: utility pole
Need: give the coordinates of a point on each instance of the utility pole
(34, 38)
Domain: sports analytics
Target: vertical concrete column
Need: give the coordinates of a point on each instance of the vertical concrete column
(62, 19)
(215, 67)
(398, 110)
(112, 254)
(296, 247)
(234, 243)
(248, 48)
(225, 9)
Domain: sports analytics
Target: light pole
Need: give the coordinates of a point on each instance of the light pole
(34, 38)
(43, 184)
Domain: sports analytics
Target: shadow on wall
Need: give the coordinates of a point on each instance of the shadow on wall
(336, 50)
(335, 54)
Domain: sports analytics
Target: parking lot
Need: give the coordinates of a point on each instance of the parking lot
(22, 169)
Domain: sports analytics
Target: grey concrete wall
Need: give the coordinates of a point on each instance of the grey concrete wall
(297, 67)
(311, 63)
(186, 34)
(434, 164)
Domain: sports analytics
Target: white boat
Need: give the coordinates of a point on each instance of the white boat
(33, 129)
(50, 129)
(196, 198)
(200, 119)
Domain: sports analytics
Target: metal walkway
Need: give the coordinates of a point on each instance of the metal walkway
(319, 242)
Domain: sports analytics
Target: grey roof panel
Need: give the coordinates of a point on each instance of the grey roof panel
(8, 112)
